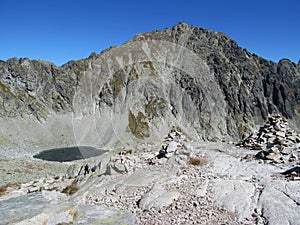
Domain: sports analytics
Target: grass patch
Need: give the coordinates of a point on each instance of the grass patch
(4, 187)
(197, 161)
(71, 189)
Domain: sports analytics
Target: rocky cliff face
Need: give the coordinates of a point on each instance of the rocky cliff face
(198, 80)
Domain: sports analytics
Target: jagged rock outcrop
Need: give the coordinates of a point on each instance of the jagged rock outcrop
(189, 77)
(34, 88)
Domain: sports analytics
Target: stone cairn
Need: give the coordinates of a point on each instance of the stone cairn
(172, 143)
(276, 140)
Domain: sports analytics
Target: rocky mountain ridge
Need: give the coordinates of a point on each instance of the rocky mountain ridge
(196, 79)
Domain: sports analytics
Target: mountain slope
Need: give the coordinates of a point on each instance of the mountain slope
(196, 79)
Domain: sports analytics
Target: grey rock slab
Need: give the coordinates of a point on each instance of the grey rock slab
(60, 216)
(97, 214)
(278, 207)
(142, 177)
(82, 214)
(97, 186)
(292, 189)
(229, 165)
(51, 208)
(158, 197)
(235, 195)
(226, 165)
(236, 185)
(26, 206)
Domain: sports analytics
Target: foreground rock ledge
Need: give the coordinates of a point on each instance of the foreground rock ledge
(201, 183)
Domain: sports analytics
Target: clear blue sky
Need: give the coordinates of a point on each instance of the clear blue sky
(63, 30)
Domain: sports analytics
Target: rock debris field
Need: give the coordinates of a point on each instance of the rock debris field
(177, 181)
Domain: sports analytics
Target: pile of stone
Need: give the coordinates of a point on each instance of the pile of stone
(275, 132)
(171, 144)
(276, 140)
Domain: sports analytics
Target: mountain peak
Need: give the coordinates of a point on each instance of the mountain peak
(216, 90)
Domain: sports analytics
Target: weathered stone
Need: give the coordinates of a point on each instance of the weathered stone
(275, 150)
(280, 134)
(158, 197)
(272, 156)
(286, 151)
(40, 208)
(172, 147)
(234, 195)
(169, 155)
(34, 189)
(293, 157)
(273, 200)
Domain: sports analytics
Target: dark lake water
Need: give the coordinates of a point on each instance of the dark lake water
(69, 154)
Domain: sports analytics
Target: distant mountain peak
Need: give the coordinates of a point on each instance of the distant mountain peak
(216, 91)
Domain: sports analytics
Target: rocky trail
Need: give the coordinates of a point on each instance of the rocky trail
(176, 182)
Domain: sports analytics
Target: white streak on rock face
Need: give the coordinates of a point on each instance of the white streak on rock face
(120, 62)
(146, 50)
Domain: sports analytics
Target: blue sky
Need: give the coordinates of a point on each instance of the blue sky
(63, 30)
